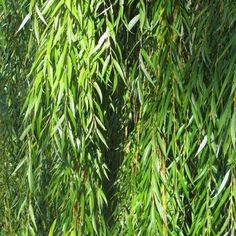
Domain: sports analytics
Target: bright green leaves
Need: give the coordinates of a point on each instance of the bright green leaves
(3, 5)
(52, 228)
(105, 66)
(68, 94)
(181, 97)
(40, 15)
(129, 118)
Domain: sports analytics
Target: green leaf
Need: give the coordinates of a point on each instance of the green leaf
(233, 129)
(21, 163)
(52, 228)
(223, 184)
(147, 58)
(40, 15)
(133, 22)
(98, 90)
(118, 69)
(25, 132)
(25, 20)
(202, 145)
(146, 152)
(162, 144)
(31, 213)
(144, 69)
(101, 137)
(105, 65)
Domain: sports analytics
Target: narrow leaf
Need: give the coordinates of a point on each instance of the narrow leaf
(202, 145)
(27, 17)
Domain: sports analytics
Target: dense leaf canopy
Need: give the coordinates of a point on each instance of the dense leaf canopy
(118, 117)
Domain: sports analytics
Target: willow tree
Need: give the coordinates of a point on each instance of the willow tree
(178, 173)
(124, 117)
(15, 61)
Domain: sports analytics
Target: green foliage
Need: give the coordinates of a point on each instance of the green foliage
(117, 117)
(14, 63)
